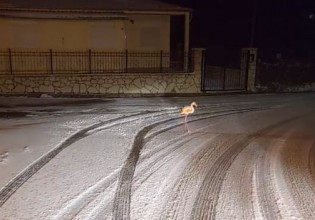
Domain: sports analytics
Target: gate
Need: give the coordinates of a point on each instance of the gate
(224, 78)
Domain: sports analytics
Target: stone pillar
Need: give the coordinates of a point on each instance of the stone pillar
(198, 56)
(187, 31)
(249, 67)
(198, 62)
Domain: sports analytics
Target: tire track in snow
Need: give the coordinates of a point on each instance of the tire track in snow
(76, 205)
(8, 190)
(265, 191)
(283, 197)
(140, 177)
(155, 163)
(298, 175)
(296, 171)
(273, 193)
(311, 160)
(159, 161)
(28, 172)
(237, 201)
(206, 201)
(161, 155)
(268, 208)
(176, 143)
(180, 155)
(205, 204)
(171, 145)
(193, 176)
(72, 209)
(121, 209)
(245, 180)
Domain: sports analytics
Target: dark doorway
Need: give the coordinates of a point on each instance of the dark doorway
(177, 41)
(177, 32)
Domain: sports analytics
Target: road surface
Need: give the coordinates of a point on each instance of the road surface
(244, 157)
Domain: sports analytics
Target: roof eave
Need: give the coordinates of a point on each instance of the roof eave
(93, 11)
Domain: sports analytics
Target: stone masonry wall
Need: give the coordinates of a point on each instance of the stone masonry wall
(110, 84)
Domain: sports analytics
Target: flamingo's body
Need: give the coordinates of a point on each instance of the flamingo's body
(188, 110)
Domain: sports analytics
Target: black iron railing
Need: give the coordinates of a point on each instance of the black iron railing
(25, 62)
(285, 73)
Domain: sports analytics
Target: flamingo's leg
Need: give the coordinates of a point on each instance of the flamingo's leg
(186, 128)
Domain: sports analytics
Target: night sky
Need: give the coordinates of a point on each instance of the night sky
(286, 27)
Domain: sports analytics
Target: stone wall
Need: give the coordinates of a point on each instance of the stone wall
(106, 84)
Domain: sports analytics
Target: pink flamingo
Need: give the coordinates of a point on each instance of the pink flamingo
(188, 110)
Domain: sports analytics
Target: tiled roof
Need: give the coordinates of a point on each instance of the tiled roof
(107, 5)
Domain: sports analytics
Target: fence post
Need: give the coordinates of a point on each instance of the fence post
(249, 67)
(90, 61)
(126, 60)
(203, 69)
(10, 61)
(246, 58)
(161, 61)
(224, 77)
(51, 61)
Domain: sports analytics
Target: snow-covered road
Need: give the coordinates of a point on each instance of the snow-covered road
(245, 157)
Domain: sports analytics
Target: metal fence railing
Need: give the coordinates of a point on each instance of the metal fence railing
(47, 62)
(285, 73)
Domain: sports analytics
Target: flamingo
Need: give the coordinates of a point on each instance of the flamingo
(188, 110)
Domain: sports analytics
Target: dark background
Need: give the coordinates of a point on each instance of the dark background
(279, 28)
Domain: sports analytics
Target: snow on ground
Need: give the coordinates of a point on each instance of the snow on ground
(244, 157)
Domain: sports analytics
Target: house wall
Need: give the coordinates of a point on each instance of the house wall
(140, 32)
(61, 34)
(148, 32)
(115, 84)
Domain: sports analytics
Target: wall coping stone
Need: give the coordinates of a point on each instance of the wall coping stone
(104, 74)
